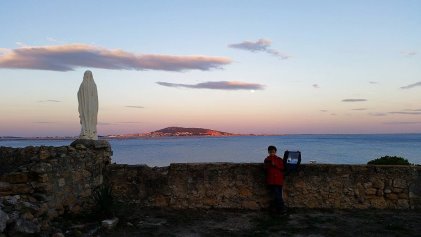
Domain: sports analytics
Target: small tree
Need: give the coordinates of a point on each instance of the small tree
(389, 160)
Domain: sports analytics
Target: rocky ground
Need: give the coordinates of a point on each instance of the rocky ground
(298, 222)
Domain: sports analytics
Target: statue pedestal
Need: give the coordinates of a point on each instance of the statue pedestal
(88, 143)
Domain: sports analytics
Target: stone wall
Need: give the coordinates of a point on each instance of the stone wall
(39, 183)
(229, 185)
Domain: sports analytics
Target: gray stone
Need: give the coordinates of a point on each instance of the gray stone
(403, 204)
(10, 200)
(25, 226)
(41, 168)
(30, 206)
(13, 216)
(109, 224)
(4, 218)
(58, 235)
(399, 183)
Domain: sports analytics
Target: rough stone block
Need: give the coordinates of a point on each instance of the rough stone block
(44, 154)
(4, 218)
(371, 191)
(392, 196)
(61, 182)
(5, 186)
(403, 203)
(17, 178)
(399, 183)
(22, 189)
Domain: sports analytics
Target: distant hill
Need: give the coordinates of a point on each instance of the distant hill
(176, 132)
(179, 131)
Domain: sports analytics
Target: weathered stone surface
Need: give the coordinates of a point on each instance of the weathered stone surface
(228, 185)
(87, 143)
(38, 184)
(399, 183)
(403, 203)
(26, 226)
(17, 177)
(4, 218)
(109, 224)
(5, 186)
(58, 235)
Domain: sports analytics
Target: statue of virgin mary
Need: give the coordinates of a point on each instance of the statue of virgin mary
(88, 107)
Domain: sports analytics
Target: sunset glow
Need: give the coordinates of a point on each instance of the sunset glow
(272, 67)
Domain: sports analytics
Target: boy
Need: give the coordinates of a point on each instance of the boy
(274, 167)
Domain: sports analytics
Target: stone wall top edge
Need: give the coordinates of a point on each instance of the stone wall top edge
(215, 164)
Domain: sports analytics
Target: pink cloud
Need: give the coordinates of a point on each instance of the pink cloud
(71, 56)
(217, 85)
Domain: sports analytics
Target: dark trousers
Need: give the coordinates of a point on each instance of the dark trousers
(276, 191)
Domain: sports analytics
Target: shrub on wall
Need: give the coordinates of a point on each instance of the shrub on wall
(389, 160)
(104, 201)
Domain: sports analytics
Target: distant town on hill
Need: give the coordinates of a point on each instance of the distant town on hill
(176, 132)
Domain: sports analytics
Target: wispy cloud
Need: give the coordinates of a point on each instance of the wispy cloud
(49, 101)
(411, 85)
(261, 45)
(409, 53)
(135, 106)
(51, 39)
(71, 56)
(359, 109)
(401, 123)
(378, 114)
(43, 122)
(316, 86)
(20, 44)
(129, 122)
(413, 110)
(104, 124)
(354, 100)
(324, 110)
(406, 112)
(373, 82)
(218, 85)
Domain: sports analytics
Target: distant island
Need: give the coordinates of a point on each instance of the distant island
(177, 132)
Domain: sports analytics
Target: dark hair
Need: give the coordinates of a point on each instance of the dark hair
(272, 148)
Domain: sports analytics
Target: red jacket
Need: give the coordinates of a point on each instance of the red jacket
(274, 166)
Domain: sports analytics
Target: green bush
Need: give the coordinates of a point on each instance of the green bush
(389, 160)
(104, 201)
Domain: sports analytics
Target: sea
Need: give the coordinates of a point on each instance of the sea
(325, 149)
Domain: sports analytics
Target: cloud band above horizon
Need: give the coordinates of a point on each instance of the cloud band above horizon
(411, 85)
(354, 100)
(217, 85)
(71, 56)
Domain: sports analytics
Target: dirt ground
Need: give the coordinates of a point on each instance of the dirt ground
(298, 222)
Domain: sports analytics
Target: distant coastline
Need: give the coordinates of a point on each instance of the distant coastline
(186, 132)
(165, 132)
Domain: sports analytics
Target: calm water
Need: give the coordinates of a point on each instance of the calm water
(335, 149)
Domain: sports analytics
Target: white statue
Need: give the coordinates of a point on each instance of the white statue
(88, 107)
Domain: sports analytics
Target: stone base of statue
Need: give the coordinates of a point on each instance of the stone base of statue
(88, 143)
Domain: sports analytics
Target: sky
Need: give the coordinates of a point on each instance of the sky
(262, 67)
